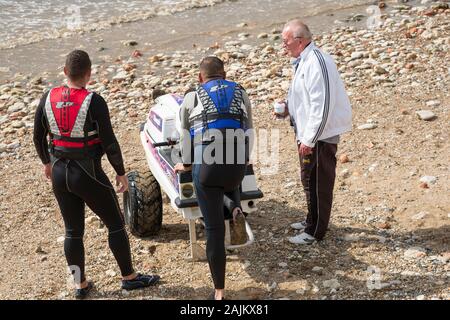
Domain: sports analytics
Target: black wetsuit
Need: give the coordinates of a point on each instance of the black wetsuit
(217, 187)
(83, 181)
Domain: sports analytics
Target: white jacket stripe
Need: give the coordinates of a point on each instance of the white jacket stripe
(326, 107)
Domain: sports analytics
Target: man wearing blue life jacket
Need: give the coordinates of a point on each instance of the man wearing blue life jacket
(216, 124)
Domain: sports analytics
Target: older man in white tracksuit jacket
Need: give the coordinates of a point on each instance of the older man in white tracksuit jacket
(320, 112)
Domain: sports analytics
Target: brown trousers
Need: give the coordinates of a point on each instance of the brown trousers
(318, 173)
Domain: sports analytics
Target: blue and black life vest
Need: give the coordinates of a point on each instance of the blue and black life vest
(222, 107)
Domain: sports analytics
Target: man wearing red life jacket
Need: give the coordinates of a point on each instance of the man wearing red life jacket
(80, 133)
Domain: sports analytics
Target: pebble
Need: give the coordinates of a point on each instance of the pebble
(263, 36)
(433, 103)
(429, 180)
(426, 115)
(357, 55)
(17, 124)
(344, 158)
(420, 216)
(111, 273)
(122, 75)
(331, 284)
(415, 253)
(91, 219)
(445, 257)
(18, 106)
(351, 237)
(345, 173)
(130, 43)
(317, 269)
(290, 185)
(367, 126)
(60, 239)
(380, 70)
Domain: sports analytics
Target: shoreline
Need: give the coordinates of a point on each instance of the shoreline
(158, 10)
(38, 58)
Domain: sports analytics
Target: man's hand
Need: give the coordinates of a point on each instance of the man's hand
(281, 115)
(179, 167)
(122, 182)
(48, 170)
(304, 150)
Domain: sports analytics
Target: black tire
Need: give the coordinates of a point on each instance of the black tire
(143, 205)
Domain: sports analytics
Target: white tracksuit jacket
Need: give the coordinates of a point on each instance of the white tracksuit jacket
(318, 103)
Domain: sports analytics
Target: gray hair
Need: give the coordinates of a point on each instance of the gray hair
(299, 29)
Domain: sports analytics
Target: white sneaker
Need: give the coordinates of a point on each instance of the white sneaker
(302, 238)
(299, 225)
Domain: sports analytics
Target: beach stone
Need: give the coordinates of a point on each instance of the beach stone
(129, 66)
(429, 180)
(18, 106)
(354, 63)
(433, 103)
(3, 119)
(154, 59)
(367, 126)
(290, 185)
(344, 158)
(444, 258)
(419, 216)
(13, 146)
(440, 5)
(425, 115)
(357, 55)
(130, 43)
(351, 237)
(111, 273)
(17, 124)
(380, 70)
(35, 103)
(415, 253)
(91, 219)
(317, 269)
(331, 284)
(345, 173)
(263, 36)
(135, 94)
(122, 75)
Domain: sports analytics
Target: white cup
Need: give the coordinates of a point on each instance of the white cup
(279, 109)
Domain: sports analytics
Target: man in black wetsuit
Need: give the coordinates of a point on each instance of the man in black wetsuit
(216, 119)
(78, 125)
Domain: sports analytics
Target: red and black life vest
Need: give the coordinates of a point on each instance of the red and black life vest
(66, 110)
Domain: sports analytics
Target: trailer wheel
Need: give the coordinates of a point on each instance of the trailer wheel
(143, 205)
